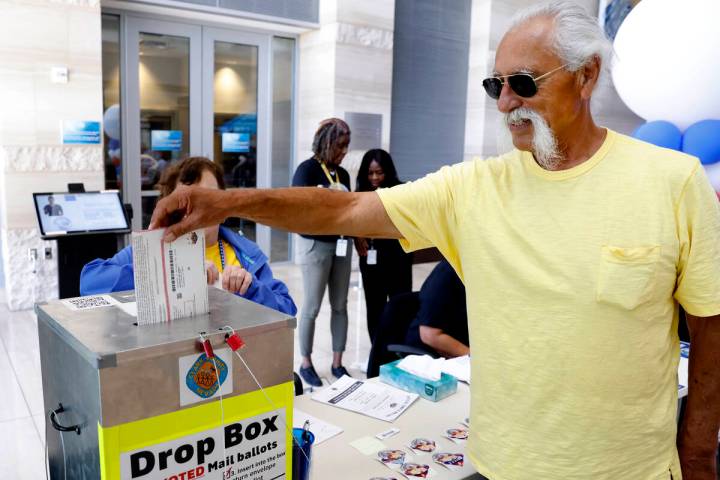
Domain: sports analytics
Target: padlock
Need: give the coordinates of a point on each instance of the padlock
(234, 342)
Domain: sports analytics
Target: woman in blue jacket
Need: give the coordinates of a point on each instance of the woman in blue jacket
(240, 263)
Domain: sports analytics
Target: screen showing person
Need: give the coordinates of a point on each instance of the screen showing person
(52, 209)
(80, 212)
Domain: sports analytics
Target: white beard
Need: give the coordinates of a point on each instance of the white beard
(544, 146)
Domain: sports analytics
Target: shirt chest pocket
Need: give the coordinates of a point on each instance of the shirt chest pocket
(627, 275)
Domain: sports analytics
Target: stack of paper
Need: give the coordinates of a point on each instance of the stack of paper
(322, 430)
(458, 367)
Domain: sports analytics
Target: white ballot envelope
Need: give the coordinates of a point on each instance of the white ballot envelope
(170, 279)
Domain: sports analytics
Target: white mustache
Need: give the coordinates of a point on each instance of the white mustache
(545, 147)
(520, 114)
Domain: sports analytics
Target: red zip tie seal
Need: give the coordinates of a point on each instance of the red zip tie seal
(207, 346)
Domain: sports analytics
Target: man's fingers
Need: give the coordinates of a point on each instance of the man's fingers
(164, 208)
(227, 276)
(188, 208)
(174, 231)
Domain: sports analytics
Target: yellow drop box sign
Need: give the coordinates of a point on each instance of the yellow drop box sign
(244, 437)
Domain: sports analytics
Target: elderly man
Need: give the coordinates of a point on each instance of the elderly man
(575, 249)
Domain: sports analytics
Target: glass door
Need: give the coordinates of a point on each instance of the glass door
(197, 90)
(163, 96)
(235, 114)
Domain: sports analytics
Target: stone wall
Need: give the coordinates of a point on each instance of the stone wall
(36, 35)
(345, 66)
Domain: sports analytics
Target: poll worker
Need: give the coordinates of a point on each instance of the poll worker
(575, 249)
(441, 321)
(324, 259)
(239, 262)
(433, 320)
(385, 268)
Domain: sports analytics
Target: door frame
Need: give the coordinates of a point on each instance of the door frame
(133, 26)
(210, 35)
(129, 97)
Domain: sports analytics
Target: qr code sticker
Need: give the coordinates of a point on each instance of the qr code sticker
(86, 303)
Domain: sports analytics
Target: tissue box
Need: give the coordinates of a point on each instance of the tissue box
(428, 389)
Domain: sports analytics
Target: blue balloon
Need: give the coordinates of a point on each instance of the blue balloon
(660, 133)
(702, 139)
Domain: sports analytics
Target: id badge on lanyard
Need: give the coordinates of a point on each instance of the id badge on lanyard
(372, 257)
(372, 254)
(341, 247)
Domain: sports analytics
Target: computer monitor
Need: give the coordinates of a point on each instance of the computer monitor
(65, 213)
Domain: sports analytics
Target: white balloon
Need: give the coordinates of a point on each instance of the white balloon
(713, 173)
(667, 64)
(111, 121)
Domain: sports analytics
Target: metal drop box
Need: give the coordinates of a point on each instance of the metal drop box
(114, 387)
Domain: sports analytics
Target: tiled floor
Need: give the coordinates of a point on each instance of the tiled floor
(22, 426)
(358, 342)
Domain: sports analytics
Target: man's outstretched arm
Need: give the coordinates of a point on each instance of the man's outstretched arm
(308, 210)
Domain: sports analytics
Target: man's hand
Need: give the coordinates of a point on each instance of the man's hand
(697, 463)
(194, 208)
(361, 245)
(236, 279)
(698, 437)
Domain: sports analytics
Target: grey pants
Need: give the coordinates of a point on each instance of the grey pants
(321, 267)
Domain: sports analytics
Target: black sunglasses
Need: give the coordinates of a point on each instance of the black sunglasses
(523, 84)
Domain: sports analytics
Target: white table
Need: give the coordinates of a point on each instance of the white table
(335, 458)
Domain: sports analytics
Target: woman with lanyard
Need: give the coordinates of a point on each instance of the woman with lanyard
(324, 259)
(232, 262)
(386, 269)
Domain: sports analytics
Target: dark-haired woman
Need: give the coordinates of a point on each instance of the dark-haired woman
(324, 259)
(238, 261)
(386, 269)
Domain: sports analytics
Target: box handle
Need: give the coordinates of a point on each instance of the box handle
(57, 426)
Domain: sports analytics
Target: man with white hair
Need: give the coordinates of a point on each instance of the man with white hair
(575, 248)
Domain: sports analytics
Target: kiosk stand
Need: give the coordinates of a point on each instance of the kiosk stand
(86, 225)
(144, 402)
(75, 251)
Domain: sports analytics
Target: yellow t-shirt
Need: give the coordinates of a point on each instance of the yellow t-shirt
(573, 280)
(213, 254)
